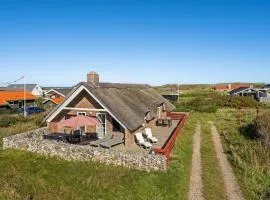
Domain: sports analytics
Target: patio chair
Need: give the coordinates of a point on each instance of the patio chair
(96, 143)
(149, 136)
(112, 142)
(140, 141)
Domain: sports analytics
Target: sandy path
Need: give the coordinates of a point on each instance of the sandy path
(195, 185)
(232, 189)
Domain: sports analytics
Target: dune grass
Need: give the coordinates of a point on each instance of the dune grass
(26, 175)
(249, 156)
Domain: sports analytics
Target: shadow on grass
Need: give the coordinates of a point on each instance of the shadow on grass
(249, 132)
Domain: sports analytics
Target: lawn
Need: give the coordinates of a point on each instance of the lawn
(25, 175)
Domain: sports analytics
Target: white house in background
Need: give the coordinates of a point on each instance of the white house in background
(35, 89)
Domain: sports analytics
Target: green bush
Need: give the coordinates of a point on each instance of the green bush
(262, 124)
(8, 120)
(211, 102)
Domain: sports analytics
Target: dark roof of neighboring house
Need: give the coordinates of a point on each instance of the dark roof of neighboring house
(267, 86)
(28, 87)
(3, 88)
(237, 90)
(64, 91)
(129, 103)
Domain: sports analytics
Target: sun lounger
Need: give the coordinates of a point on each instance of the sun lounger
(113, 141)
(149, 135)
(96, 143)
(140, 141)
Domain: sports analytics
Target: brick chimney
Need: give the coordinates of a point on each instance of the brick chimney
(93, 77)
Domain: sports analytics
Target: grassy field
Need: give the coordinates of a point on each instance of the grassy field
(249, 157)
(25, 175)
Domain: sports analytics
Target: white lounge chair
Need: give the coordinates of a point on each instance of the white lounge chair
(140, 141)
(149, 135)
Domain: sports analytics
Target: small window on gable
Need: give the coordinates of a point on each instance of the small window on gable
(81, 113)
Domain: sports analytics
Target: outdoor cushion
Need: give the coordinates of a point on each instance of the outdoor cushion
(141, 142)
(149, 135)
(113, 142)
(107, 137)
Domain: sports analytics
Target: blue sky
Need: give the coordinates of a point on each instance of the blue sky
(55, 43)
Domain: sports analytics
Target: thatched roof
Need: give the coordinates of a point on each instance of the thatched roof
(129, 103)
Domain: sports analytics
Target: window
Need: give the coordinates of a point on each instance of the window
(67, 116)
(81, 113)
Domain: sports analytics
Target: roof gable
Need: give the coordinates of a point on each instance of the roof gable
(126, 103)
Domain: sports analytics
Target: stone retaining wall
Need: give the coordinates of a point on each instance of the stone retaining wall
(33, 141)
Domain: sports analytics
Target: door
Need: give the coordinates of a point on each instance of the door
(101, 129)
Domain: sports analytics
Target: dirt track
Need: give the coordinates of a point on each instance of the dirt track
(232, 188)
(195, 185)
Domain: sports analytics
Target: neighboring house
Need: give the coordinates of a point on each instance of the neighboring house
(58, 92)
(50, 103)
(256, 94)
(15, 99)
(35, 89)
(121, 108)
(229, 87)
(266, 87)
(55, 96)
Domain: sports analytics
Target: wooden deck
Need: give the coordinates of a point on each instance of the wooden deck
(161, 133)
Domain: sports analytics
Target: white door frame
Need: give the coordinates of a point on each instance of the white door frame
(105, 128)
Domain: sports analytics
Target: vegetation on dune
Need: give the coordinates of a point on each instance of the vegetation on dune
(248, 154)
(211, 102)
(262, 124)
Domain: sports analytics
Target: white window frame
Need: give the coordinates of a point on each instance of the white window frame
(81, 113)
(105, 132)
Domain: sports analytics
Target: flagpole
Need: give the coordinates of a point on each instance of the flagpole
(24, 97)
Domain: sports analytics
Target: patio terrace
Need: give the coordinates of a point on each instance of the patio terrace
(160, 132)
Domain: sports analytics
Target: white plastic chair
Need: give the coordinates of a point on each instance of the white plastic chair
(141, 142)
(149, 135)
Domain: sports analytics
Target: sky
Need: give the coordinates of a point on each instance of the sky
(55, 43)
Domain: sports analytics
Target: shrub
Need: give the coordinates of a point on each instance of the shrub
(262, 124)
(213, 101)
(8, 120)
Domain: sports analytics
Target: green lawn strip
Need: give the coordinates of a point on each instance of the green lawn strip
(250, 159)
(24, 174)
(213, 185)
(181, 156)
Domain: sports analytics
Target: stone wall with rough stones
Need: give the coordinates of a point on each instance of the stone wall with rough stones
(33, 141)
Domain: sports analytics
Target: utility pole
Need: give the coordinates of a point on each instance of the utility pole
(24, 97)
(178, 90)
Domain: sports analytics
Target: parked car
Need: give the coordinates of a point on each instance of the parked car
(31, 110)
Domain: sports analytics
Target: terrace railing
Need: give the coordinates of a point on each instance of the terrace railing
(167, 148)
